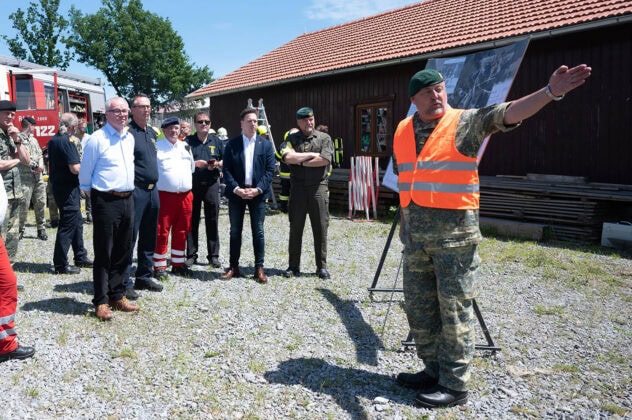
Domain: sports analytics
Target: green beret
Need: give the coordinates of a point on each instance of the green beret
(304, 112)
(422, 79)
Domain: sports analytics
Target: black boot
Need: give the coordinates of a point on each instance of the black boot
(440, 396)
(41, 234)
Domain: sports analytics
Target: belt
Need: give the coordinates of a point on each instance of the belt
(121, 194)
(248, 186)
(145, 186)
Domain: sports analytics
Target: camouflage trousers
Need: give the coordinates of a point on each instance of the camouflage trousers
(10, 228)
(438, 292)
(35, 192)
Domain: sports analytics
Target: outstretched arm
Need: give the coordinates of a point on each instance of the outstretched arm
(562, 81)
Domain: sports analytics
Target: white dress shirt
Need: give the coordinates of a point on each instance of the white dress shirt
(175, 166)
(249, 155)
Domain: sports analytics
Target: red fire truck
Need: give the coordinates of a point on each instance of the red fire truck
(45, 93)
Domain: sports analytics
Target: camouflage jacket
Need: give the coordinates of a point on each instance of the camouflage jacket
(37, 160)
(11, 177)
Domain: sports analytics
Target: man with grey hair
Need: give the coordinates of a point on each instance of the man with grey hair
(64, 175)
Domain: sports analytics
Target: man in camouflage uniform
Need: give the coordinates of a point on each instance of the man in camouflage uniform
(435, 155)
(12, 152)
(33, 186)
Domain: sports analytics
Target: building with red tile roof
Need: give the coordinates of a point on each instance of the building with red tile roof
(345, 70)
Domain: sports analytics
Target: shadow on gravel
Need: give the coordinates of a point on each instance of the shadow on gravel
(366, 341)
(81, 287)
(62, 305)
(345, 385)
(28, 267)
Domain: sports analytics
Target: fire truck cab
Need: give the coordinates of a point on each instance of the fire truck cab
(45, 93)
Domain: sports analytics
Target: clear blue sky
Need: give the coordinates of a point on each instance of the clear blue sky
(225, 35)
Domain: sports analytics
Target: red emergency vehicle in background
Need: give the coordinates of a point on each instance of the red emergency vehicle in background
(45, 93)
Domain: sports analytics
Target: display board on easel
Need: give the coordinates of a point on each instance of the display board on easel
(473, 81)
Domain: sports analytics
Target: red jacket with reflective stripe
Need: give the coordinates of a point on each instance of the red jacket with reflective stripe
(440, 177)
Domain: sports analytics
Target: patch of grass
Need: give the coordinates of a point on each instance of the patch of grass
(62, 338)
(614, 409)
(126, 353)
(563, 367)
(523, 411)
(612, 357)
(32, 392)
(256, 367)
(211, 353)
(548, 310)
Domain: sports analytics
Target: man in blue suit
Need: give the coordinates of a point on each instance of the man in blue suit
(248, 170)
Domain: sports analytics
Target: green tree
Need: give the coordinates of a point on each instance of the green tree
(137, 51)
(41, 30)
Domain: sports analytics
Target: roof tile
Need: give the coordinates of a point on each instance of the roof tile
(373, 39)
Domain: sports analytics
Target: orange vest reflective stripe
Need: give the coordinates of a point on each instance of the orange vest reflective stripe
(440, 177)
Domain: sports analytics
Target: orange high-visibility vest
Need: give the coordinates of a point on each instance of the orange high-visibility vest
(440, 177)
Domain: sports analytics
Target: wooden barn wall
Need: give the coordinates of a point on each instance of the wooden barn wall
(587, 134)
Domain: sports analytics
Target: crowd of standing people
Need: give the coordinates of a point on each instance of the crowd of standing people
(143, 189)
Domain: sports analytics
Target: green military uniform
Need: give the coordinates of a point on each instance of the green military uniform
(440, 262)
(33, 186)
(309, 194)
(13, 187)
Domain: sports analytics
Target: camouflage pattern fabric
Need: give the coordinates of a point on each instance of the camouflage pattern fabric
(440, 261)
(33, 187)
(10, 228)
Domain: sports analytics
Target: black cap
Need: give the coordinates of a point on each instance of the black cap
(30, 120)
(7, 106)
(169, 121)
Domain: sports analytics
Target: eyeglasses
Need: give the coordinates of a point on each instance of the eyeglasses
(203, 122)
(118, 111)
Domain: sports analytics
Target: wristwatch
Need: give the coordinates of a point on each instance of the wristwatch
(548, 93)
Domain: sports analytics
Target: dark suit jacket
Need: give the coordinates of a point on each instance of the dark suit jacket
(234, 167)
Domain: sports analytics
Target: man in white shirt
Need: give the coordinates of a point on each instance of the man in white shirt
(175, 179)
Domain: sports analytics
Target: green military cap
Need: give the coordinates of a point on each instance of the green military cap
(304, 112)
(422, 79)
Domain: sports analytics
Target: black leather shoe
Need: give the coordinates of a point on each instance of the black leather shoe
(21, 235)
(54, 224)
(420, 380)
(440, 396)
(323, 273)
(215, 262)
(183, 271)
(20, 287)
(292, 272)
(84, 264)
(147, 284)
(191, 260)
(69, 269)
(41, 235)
(131, 294)
(22, 352)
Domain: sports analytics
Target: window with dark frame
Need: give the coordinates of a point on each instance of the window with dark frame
(372, 128)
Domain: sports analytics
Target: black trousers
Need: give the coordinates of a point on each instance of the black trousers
(112, 240)
(70, 229)
(209, 195)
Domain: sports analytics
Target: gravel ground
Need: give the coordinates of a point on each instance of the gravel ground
(307, 348)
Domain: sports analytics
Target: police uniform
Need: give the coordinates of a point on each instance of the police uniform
(205, 190)
(146, 206)
(62, 152)
(309, 194)
(33, 187)
(441, 237)
(13, 187)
